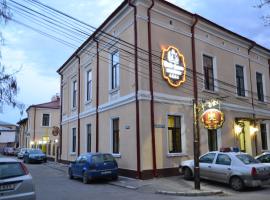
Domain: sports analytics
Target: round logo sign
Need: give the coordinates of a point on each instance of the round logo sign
(55, 131)
(212, 118)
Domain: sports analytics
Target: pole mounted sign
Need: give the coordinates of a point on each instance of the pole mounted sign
(212, 117)
(173, 66)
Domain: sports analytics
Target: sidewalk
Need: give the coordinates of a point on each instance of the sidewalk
(168, 186)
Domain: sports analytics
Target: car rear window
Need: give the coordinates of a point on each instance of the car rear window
(102, 158)
(247, 159)
(10, 170)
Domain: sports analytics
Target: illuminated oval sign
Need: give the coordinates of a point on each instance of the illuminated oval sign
(173, 66)
(212, 118)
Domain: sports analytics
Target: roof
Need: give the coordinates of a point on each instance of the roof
(2, 123)
(125, 2)
(52, 105)
(24, 120)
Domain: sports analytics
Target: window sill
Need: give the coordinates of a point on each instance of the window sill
(116, 155)
(74, 109)
(177, 155)
(45, 126)
(264, 103)
(210, 91)
(242, 97)
(114, 91)
(88, 102)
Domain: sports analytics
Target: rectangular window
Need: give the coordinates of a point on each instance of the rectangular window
(174, 134)
(115, 70)
(73, 139)
(264, 136)
(259, 80)
(212, 140)
(89, 85)
(45, 119)
(88, 137)
(240, 84)
(115, 136)
(74, 94)
(208, 73)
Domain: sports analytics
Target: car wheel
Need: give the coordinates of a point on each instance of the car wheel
(85, 178)
(115, 178)
(187, 173)
(236, 183)
(70, 174)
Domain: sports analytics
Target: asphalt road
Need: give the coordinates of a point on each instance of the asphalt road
(53, 184)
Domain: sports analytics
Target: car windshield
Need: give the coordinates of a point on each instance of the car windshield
(247, 159)
(9, 170)
(102, 158)
(35, 151)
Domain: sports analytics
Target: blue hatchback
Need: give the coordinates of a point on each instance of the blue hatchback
(93, 166)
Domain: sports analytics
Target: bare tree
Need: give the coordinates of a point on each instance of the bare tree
(8, 83)
(266, 18)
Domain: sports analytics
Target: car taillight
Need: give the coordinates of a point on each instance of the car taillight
(24, 169)
(253, 171)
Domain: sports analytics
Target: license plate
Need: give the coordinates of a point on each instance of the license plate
(7, 187)
(106, 172)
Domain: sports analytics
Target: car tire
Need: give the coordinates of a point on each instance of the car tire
(237, 183)
(70, 174)
(85, 178)
(25, 160)
(187, 173)
(115, 178)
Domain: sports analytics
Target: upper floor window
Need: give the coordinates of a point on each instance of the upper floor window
(73, 140)
(240, 84)
(174, 134)
(89, 85)
(259, 80)
(115, 135)
(45, 119)
(74, 94)
(115, 70)
(208, 73)
(88, 137)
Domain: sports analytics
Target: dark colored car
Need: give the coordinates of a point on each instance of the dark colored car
(93, 166)
(34, 155)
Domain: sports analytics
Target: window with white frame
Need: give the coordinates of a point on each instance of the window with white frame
(259, 80)
(74, 93)
(208, 69)
(89, 85)
(88, 137)
(73, 140)
(115, 70)
(240, 83)
(115, 136)
(45, 119)
(174, 134)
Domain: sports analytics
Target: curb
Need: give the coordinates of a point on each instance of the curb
(191, 194)
(124, 186)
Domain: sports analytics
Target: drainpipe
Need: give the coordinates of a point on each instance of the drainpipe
(152, 111)
(269, 66)
(97, 99)
(34, 136)
(196, 129)
(252, 95)
(139, 175)
(79, 102)
(61, 113)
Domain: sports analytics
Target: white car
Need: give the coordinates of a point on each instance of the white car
(264, 158)
(234, 168)
(15, 181)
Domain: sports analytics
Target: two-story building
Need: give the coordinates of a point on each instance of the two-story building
(43, 126)
(8, 135)
(129, 89)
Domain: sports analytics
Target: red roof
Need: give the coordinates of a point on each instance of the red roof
(52, 104)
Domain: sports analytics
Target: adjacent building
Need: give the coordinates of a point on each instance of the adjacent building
(8, 135)
(43, 126)
(130, 89)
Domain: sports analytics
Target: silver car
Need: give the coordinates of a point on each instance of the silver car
(264, 158)
(237, 169)
(15, 181)
(21, 153)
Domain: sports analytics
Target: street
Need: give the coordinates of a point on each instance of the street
(52, 183)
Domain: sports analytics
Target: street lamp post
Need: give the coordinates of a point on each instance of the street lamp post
(196, 146)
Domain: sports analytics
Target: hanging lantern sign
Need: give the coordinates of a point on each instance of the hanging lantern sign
(212, 117)
(173, 66)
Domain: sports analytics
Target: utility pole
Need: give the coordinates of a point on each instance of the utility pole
(196, 145)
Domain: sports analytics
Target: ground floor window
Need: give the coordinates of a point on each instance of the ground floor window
(88, 137)
(115, 135)
(174, 134)
(264, 136)
(212, 140)
(73, 140)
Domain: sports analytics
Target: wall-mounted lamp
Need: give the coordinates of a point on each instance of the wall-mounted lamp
(55, 141)
(39, 142)
(253, 130)
(32, 142)
(238, 129)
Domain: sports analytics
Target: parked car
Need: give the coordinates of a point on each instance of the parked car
(21, 153)
(235, 168)
(15, 180)
(16, 151)
(34, 155)
(264, 158)
(93, 166)
(9, 151)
